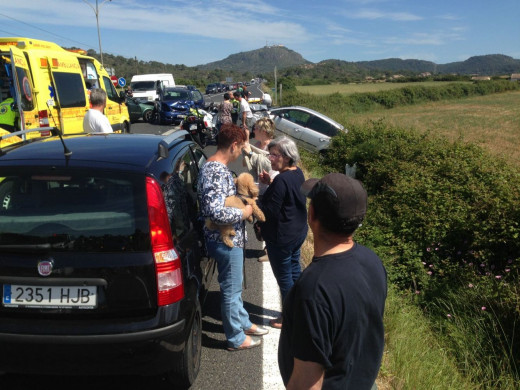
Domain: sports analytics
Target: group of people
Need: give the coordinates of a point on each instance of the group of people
(332, 318)
(235, 106)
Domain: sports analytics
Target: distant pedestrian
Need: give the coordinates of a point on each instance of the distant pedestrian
(95, 120)
(224, 110)
(236, 109)
(332, 335)
(245, 93)
(245, 114)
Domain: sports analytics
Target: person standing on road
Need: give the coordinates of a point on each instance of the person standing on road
(256, 159)
(95, 120)
(285, 226)
(214, 186)
(224, 110)
(236, 108)
(332, 335)
(245, 113)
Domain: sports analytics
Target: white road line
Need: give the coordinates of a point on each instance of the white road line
(272, 308)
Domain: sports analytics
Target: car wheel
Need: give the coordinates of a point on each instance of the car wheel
(147, 116)
(5, 195)
(187, 368)
(125, 128)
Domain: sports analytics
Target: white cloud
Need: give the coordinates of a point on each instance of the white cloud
(373, 14)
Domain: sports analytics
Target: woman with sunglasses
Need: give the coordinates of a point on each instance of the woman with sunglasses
(284, 206)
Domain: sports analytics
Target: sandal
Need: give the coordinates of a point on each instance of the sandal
(253, 342)
(276, 323)
(256, 330)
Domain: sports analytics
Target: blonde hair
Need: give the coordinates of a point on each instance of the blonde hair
(267, 125)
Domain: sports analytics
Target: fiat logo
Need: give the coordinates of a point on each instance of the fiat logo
(45, 267)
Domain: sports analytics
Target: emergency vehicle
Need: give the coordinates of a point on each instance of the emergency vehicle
(51, 85)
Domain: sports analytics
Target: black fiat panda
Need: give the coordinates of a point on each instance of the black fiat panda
(103, 268)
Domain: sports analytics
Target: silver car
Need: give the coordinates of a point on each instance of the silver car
(310, 129)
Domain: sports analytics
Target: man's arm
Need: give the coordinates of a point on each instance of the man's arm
(306, 375)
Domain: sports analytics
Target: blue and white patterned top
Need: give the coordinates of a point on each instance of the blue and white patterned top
(214, 186)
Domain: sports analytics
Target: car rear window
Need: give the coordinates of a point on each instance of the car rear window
(72, 211)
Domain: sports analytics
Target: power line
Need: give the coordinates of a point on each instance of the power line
(48, 32)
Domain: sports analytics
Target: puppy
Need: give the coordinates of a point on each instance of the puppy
(247, 193)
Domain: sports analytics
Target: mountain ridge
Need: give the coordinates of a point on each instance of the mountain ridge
(264, 59)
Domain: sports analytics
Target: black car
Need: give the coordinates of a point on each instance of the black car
(102, 263)
(212, 88)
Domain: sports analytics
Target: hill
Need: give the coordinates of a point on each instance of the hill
(261, 62)
(258, 61)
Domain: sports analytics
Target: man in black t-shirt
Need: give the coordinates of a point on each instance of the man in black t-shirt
(332, 335)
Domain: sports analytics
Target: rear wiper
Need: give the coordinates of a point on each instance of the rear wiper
(45, 246)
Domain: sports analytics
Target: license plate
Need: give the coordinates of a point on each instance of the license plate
(193, 127)
(181, 116)
(52, 297)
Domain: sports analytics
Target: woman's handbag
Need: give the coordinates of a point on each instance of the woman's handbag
(258, 231)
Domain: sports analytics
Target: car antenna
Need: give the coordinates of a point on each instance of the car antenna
(66, 151)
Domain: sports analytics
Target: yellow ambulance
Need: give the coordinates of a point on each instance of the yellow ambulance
(51, 85)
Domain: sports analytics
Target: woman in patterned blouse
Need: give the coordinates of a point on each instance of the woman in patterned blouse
(215, 185)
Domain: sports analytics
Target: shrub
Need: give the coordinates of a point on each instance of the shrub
(443, 216)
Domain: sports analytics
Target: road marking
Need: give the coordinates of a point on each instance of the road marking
(272, 308)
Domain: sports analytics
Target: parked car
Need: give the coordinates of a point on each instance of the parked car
(103, 269)
(138, 110)
(211, 89)
(166, 111)
(310, 129)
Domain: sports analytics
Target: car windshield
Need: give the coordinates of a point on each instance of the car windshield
(176, 95)
(143, 85)
(74, 210)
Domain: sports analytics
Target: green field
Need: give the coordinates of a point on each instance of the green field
(348, 89)
(491, 121)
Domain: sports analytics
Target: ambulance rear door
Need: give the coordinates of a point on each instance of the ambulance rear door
(68, 92)
(25, 100)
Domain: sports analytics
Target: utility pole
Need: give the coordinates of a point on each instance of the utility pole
(96, 11)
(275, 87)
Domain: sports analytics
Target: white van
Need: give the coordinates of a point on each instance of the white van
(146, 87)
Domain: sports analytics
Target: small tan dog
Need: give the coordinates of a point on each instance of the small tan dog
(247, 193)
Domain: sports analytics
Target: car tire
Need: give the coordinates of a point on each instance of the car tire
(125, 129)
(187, 368)
(5, 195)
(147, 116)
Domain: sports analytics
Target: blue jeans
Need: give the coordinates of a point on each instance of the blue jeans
(285, 263)
(230, 265)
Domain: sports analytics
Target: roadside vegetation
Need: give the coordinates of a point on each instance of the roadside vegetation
(444, 216)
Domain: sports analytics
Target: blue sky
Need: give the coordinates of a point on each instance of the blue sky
(193, 32)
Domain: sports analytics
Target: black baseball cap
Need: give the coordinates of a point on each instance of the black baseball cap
(336, 195)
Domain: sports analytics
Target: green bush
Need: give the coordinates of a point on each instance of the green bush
(443, 216)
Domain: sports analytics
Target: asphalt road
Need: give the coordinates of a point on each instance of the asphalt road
(220, 370)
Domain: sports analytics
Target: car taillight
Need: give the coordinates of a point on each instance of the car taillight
(43, 116)
(170, 287)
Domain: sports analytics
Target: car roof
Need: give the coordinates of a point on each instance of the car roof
(310, 111)
(116, 151)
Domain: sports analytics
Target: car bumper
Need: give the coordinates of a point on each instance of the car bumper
(147, 352)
